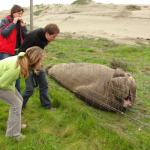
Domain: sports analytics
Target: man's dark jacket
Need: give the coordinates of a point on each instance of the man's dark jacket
(34, 38)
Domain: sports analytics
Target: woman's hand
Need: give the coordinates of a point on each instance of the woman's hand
(15, 20)
(22, 23)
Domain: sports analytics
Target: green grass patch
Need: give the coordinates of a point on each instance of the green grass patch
(74, 125)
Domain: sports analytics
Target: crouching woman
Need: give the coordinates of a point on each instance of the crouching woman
(10, 69)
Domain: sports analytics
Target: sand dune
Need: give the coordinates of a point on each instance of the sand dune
(115, 22)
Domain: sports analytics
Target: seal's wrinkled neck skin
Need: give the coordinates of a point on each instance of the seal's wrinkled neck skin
(122, 90)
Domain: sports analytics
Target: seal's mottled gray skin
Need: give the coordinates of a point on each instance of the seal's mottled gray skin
(98, 85)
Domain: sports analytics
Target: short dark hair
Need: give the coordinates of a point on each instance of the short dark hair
(51, 29)
(16, 8)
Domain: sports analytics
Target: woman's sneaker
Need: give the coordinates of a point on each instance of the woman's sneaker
(20, 137)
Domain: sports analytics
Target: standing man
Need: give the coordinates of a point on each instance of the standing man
(12, 32)
(40, 37)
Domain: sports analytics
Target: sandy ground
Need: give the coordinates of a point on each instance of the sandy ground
(114, 22)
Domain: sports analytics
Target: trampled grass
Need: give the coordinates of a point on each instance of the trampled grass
(76, 126)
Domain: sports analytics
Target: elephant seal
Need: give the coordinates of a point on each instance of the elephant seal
(96, 84)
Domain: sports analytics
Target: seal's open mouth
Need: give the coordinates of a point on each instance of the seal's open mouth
(128, 97)
(127, 101)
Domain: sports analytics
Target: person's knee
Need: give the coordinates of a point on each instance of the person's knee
(28, 92)
(43, 86)
(43, 89)
(19, 103)
(17, 107)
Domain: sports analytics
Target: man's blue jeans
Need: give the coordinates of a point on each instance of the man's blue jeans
(3, 56)
(37, 80)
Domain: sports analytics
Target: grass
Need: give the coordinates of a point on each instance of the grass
(75, 125)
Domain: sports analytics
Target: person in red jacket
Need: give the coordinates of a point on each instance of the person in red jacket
(12, 32)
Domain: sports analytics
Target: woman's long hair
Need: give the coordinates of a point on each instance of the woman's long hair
(29, 60)
(15, 9)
